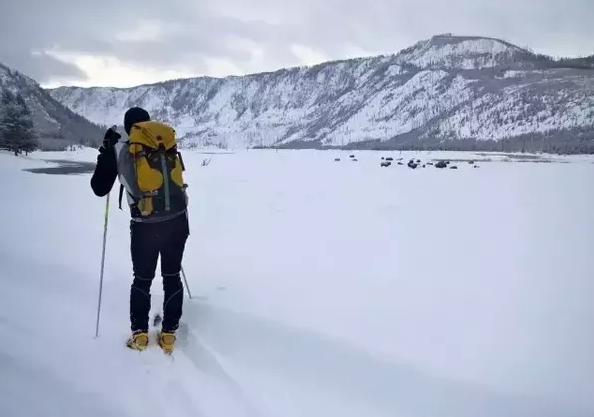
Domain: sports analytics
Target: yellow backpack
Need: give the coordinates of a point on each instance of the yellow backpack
(151, 169)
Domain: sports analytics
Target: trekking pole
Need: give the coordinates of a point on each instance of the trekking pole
(114, 128)
(186, 282)
(102, 264)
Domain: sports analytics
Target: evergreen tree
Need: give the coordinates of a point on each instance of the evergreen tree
(17, 132)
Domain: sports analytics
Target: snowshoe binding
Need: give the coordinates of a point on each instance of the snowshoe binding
(138, 340)
(166, 341)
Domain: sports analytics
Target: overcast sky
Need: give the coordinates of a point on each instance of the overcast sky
(129, 42)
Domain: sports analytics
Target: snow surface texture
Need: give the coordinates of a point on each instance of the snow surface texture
(444, 88)
(321, 289)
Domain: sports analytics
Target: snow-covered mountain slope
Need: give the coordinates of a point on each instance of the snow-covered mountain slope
(56, 124)
(447, 91)
(461, 53)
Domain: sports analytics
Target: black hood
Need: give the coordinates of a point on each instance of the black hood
(135, 115)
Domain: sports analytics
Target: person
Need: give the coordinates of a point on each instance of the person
(150, 236)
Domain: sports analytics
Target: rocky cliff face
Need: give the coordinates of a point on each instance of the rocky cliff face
(57, 125)
(448, 92)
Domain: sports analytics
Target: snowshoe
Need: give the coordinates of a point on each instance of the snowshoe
(138, 340)
(167, 341)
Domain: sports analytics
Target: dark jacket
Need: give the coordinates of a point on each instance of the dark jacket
(106, 170)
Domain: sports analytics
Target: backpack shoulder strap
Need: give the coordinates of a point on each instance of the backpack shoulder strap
(120, 147)
(126, 172)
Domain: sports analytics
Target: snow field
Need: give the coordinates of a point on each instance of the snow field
(321, 288)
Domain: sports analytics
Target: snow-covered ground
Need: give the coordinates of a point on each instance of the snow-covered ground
(321, 289)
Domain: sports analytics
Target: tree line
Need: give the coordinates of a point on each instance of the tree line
(17, 130)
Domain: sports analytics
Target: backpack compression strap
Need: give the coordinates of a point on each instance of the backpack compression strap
(121, 195)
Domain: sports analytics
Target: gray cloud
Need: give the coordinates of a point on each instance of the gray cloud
(194, 32)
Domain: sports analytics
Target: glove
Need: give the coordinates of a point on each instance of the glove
(111, 137)
(109, 140)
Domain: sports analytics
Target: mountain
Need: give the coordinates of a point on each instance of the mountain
(447, 92)
(57, 125)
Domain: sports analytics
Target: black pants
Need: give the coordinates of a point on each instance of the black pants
(147, 242)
